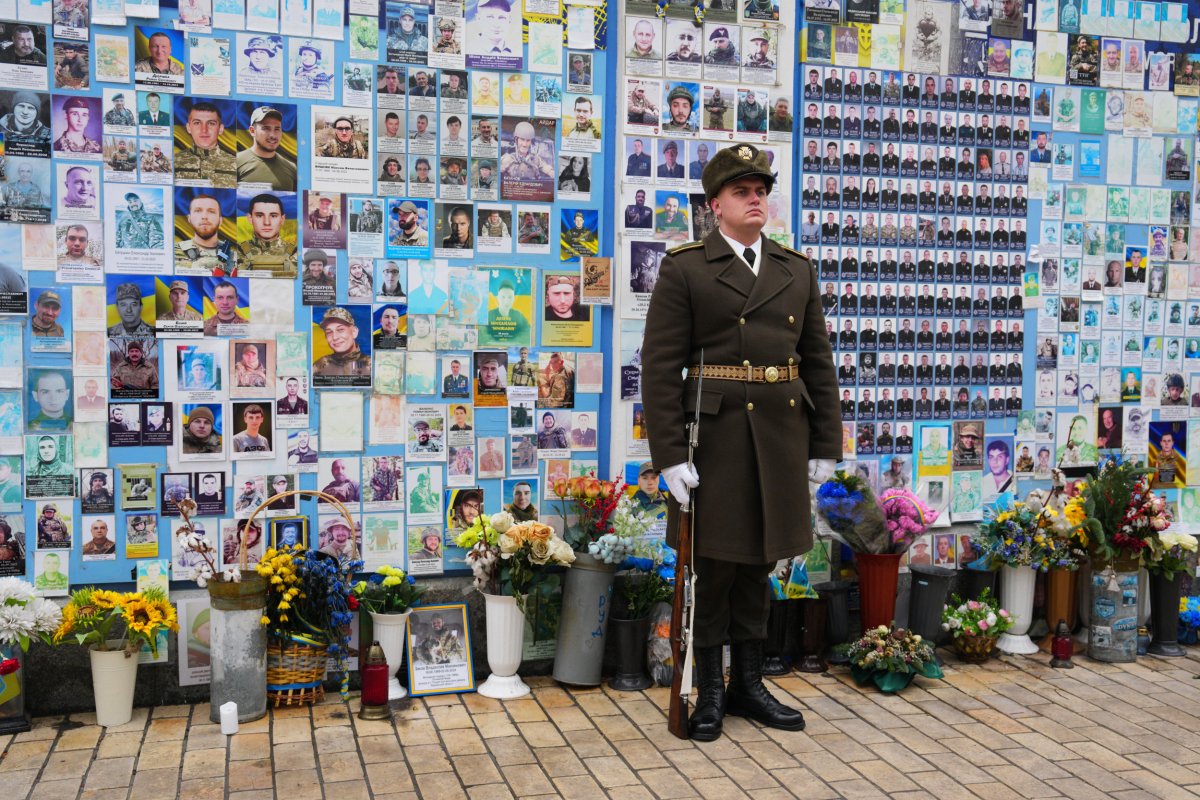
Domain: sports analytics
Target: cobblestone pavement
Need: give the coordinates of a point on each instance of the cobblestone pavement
(1012, 728)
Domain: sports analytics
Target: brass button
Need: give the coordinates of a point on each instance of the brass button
(791, 361)
(792, 403)
(771, 375)
(742, 321)
(749, 406)
(745, 363)
(791, 320)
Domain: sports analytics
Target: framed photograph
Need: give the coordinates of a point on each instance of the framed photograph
(439, 642)
(289, 532)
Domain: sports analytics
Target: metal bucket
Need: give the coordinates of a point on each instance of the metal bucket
(586, 602)
(239, 647)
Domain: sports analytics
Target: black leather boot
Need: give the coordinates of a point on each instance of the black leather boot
(748, 697)
(704, 725)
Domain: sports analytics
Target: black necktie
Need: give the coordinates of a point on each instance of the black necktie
(749, 256)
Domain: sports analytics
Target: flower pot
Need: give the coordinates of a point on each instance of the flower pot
(976, 581)
(13, 717)
(1016, 597)
(631, 654)
(238, 649)
(1061, 602)
(878, 574)
(782, 618)
(930, 586)
(975, 649)
(114, 674)
(815, 614)
(837, 618)
(1164, 613)
(505, 635)
(390, 633)
(586, 602)
(1113, 614)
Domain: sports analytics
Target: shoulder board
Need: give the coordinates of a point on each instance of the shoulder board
(682, 248)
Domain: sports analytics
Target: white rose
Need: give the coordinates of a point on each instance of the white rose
(563, 553)
(539, 551)
(991, 619)
(502, 521)
(508, 545)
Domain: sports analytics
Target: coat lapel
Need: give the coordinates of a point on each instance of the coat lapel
(773, 277)
(731, 270)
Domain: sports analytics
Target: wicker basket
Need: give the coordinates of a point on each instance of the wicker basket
(974, 649)
(296, 665)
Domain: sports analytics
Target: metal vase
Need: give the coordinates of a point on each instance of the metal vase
(1114, 611)
(587, 600)
(1164, 616)
(239, 647)
(837, 618)
(630, 636)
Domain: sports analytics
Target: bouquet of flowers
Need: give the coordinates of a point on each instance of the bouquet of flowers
(1018, 534)
(24, 615)
(891, 658)
(510, 558)
(597, 503)
(92, 614)
(1167, 553)
(1189, 619)
(389, 591)
(983, 617)
(855, 517)
(1120, 514)
(309, 600)
(647, 581)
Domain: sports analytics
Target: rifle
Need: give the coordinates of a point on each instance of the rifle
(683, 607)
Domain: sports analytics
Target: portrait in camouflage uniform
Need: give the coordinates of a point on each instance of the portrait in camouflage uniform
(205, 228)
(137, 239)
(341, 135)
(341, 346)
(267, 233)
(205, 142)
(133, 368)
(527, 163)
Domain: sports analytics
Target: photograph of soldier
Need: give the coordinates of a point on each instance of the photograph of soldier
(125, 295)
(97, 497)
(48, 408)
(527, 164)
(718, 109)
(79, 244)
(311, 76)
(78, 198)
(260, 65)
(156, 65)
(138, 225)
(120, 158)
(671, 221)
(151, 113)
(201, 431)
(77, 126)
(752, 111)
(737, 183)
(267, 146)
(252, 430)
(435, 642)
(641, 105)
(117, 114)
(582, 124)
(204, 142)
(579, 233)
(759, 51)
(133, 368)
(210, 215)
(644, 260)
(230, 301)
(53, 530)
(342, 350)
(494, 35)
(556, 380)
(25, 123)
(407, 42)
(155, 162)
(267, 229)
(562, 300)
(491, 378)
(71, 62)
(342, 136)
(680, 115)
(23, 45)
(408, 229)
(722, 49)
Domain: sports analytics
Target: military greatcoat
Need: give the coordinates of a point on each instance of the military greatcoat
(752, 505)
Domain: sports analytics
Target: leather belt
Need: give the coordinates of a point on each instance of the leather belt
(746, 374)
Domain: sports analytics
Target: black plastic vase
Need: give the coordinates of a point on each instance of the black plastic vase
(837, 628)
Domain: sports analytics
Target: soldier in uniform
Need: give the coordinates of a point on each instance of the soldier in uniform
(585, 127)
(524, 164)
(262, 162)
(446, 42)
(385, 481)
(155, 160)
(679, 104)
(206, 250)
(770, 398)
(129, 309)
(152, 116)
(460, 230)
(205, 160)
(21, 124)
(640, 109)
(453, 88)
(441, 645)
(137, 229)
(45, 315)
(260, 50)
(225, 299)
(752, 115)
(315, 261)
(639, 215)
(410, 234)
(74, 138)
(160, 61)
(341, 334)
(267, 249)
(370, 219)
(723, 51)
(199, 436)
(760, 58)
(428, 441)
(180, 310)
(52, 531)
(391, 171)
(249, 370)
(716, 108)
(119, 114)
(343, 144)
(556, 384)
(122, 160)
(310, 75)
(98, 494)
(133, 372)
(406, 36)
(524, 373)
(781, 118)
(24, 193)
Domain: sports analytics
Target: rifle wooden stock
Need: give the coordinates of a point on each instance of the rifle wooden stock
(677, 716)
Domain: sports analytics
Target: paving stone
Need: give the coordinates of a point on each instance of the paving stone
(203, 764)
(109, 773)
(440, 786)
(389, 777)
(67, 789)
(250, 774)
(526, 780)
(298, 784)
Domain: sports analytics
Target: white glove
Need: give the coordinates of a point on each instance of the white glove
(681, 479)
(820, 469)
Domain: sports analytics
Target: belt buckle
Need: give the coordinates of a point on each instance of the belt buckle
(771, 374)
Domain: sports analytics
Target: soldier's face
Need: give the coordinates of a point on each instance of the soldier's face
(561, 297)
(81, 187)
(205, 127)
(76, 240)
(25, 113)
(129, 309)
(77, 119)
(23, 43)
(267, 220)
(259, 59)
(340, 336)
(392, 126)
(225, 299)
(681, 109)
(389, 321)
(267, 134)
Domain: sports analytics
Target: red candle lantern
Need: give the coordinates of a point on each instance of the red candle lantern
(1062, 647)
(374, 672)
